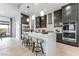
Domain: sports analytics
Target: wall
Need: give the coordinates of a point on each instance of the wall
(2, 18)
(50, 27)
(12, 11)
(18, 26)
(14, 27)
(8, 10)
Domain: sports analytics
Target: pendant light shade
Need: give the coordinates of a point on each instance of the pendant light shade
(42, 13)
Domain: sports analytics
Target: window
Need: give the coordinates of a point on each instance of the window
(5, 29)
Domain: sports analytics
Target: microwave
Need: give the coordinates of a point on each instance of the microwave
(69, 27)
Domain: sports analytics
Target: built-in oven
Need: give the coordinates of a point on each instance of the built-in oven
(69, 35)
(69, 31)
(69, 26)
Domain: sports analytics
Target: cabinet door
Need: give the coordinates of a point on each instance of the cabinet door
(44, 21)
(69, 8)
(58, 18)
(56, 21)
(38, 22)
(41, 22)
(73, 16)
(59, 37)
(69, 12)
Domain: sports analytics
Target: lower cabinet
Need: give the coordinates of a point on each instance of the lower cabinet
(59, 37)
(60, 40)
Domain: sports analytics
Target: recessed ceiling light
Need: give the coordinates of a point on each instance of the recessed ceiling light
(42, 13)
(26, 11)
(36, 3)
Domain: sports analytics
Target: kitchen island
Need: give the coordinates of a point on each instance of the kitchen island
(49, 45)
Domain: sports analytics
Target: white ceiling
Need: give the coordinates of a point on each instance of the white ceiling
(11, 9)
(8, 9)
(35, 9)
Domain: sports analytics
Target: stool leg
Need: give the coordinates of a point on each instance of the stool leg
(42, 48)
(22, 43)
(27, 43)
(33, 47)
(36, 53)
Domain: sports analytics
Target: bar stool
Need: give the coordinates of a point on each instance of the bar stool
(24, 39)
(1, 36)
(37, 46)
(30, 42)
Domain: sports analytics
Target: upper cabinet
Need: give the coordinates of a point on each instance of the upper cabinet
(44, 21)
(24, 19)
(38, 22)
(41, 22)
(58, 18)
(69, 12)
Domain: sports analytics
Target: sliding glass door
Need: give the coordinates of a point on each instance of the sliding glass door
(6, 28)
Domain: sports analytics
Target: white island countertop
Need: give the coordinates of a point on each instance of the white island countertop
(49, 41)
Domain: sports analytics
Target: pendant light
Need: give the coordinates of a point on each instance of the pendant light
(42, 13)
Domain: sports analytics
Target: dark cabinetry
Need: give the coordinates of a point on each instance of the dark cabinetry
(58, 18)
(24, 19)
(41, 22)
(24, 24)
(69, 12)
(38, 22)
(59, 37)
(44, 21)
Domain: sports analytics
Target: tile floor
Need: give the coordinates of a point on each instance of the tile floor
(13, 47)
(67, 50)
